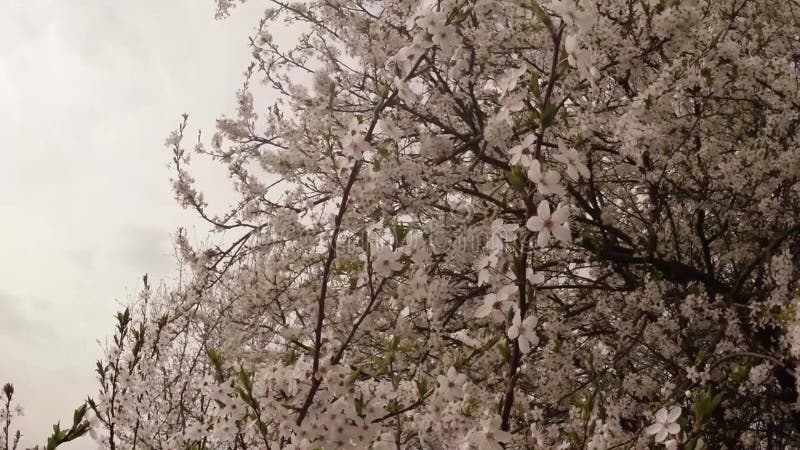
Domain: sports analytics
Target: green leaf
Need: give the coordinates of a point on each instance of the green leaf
(77, 416)
(702, 357)
(573, 436)
(548, 115)
(391, 347)
(517, 179)
(399, 232)
(533, 85)
(289, 356)
(422, 386)
(363, 239)
(540, 14)
(262, 428)
(351, 379)
(393, 344)
(740, 374)
(245, 380)
(216, 362)
(704, 405)
(505, 350)
(359, 404)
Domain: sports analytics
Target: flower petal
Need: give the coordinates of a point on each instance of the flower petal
(534, 277)
(584, 171)
(528, 141)
(673, 428)
(498, 316)
(543, 210)
(524, 344)
(653, 429)
(482, 311)
(551, 178)
(571, 43)
(561, 215)
(502, 436)
(559, 190)
(661, 415)
(535, 172)
(562, 233)
(674, 413)
(572, 172)
(535, 223)
(544, 236)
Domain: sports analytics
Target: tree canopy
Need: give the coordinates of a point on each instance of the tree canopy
(486, 224)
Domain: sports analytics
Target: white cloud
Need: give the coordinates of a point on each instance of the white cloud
(90, 89)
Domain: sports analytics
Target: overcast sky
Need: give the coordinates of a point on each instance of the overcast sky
(89, 90)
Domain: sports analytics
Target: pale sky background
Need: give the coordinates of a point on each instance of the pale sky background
(89, 90)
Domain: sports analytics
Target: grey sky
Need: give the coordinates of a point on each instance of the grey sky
(89, 90)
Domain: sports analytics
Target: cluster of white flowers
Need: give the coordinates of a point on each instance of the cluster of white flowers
(486, 225)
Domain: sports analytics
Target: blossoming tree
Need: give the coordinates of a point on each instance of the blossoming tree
(9, 440)
(486, 224)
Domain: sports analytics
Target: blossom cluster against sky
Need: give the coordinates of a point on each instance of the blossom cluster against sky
(89, 91)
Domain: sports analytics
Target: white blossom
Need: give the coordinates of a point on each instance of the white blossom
(666, 423)
(548, 182)
(545, 223)
(524, 331)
